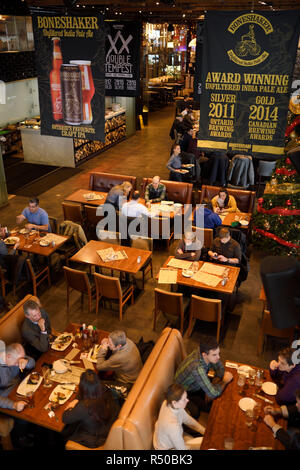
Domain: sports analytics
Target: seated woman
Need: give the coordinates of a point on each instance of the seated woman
(224, 202)
(168, 432)
(90, 417)
(177, 169)
(210, 218)
(189, 248)
(118, 194)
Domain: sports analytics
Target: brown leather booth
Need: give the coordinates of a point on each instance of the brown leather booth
(103, 182)
(133, 430)
(10, 323)
(244, 199)
(176, 191)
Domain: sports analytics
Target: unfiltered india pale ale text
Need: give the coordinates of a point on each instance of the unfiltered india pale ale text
(55, 84)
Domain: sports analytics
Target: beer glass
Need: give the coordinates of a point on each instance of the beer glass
(87, 88)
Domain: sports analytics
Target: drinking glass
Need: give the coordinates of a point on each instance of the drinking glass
(47, 376)
(228, 443)
(195, 266)
(249, 417)
(251, 377)
(256, 411)
(30, 396)
(241, 381)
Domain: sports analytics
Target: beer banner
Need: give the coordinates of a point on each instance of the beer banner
(69, 52)
(199, 52)
(122, 58)
(247, 68)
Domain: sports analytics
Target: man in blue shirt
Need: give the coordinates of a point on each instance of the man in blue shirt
(36, 216)
(210, 218)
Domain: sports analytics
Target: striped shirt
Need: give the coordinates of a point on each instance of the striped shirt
(192, 375)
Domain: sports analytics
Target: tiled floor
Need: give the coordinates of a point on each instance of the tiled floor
(146, 154)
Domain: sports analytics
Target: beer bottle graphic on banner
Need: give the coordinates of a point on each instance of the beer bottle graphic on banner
(55, 84)
(87, 88)
(70, 76)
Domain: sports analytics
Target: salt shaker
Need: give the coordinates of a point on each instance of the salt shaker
(139, 259)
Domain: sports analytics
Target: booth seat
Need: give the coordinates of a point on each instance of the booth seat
(134, 428)
(103, 182)
(244, 199)
(10, 323)
(176, 191)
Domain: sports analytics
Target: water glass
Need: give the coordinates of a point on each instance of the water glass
(47, 376)
(30, 397)
(228, 443)
(249, 417)
(256, 411)
(241, 381)
(251, 377)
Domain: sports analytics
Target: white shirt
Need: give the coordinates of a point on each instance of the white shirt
(134, 209)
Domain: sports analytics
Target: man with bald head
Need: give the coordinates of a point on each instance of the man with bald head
(13, 361)
(155, 191)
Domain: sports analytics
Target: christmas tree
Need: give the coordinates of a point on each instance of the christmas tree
(276, 224)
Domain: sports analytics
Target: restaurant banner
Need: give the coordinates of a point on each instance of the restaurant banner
(247, 69)
(122, 58)
(199, 47)
(70, 51)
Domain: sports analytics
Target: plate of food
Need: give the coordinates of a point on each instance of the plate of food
(11, 240)
(62, 341)
(244, 222)
(24, 230)
(30, 384)
(61, 366)
(270, 388)
(92, 356)
(60, 394)
(187, 272)
(44, 243)
(247, 403)
(244, 369)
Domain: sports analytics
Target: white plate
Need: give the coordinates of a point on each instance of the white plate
(62, 346)
(270, 388)
(245, 369)
(61, 366)
(178, 204)
(247, 403)
(167, 203)
(11, 240)
(93, 358)
(44, 243)
(60, 389)
(24, 387)
(187, 273)
(24, 230)
(244, 222)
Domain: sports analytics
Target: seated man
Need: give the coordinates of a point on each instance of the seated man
(36, 216)
(210, 218)
(6, 361)
(192, 375)
(134, 208)
(290, 438)
(155, 191)
(35, 329)
(13, 362)
(125, 360)
(286, 374)
(225, 249)
(189, 248)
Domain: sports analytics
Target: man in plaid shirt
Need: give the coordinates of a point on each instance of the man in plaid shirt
(192, 374)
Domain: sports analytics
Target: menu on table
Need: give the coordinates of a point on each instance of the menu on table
(167, 276)
(212, 269)
(205, 278)
(179, 263)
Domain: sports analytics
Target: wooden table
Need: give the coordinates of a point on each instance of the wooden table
(231, 217)
(31, 243)
(38, 415)
(77, 196)
(88, 255)
(226, 419)
(187, 281)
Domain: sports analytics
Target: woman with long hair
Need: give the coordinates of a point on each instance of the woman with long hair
(118, 195)
(90, 416)
(168, 432)
(224, 202)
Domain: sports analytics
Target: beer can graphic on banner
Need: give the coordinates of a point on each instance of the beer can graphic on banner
(70, 77)
(55, 85)
(87, 88)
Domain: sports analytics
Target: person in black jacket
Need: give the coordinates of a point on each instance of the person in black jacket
(90, 416)
(291, 438)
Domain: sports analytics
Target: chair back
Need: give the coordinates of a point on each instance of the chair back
(90, 214)
(103, 182)
(176, 191)
(77, 279)
(204, 234)
(168, 302)
(108, 286)
(205, 309)
(72, 212)
(244, 199)
(159, 227)
(109, 237)
(53, 224)
(142, 243)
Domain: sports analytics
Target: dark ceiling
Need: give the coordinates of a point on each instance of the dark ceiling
(167, 10)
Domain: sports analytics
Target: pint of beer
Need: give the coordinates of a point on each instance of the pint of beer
(70, 77)
(87, 88)
(55, 85)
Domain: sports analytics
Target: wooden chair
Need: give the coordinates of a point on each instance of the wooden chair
(72, 211)
(78, 280)
(143, 243)
(3, 281)
(267, 328)
(159, 227)
(39, 276)
(53, 224)
(111, 288)
(170, 303)
(209, 310)
(110, 237)
(205, 234)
